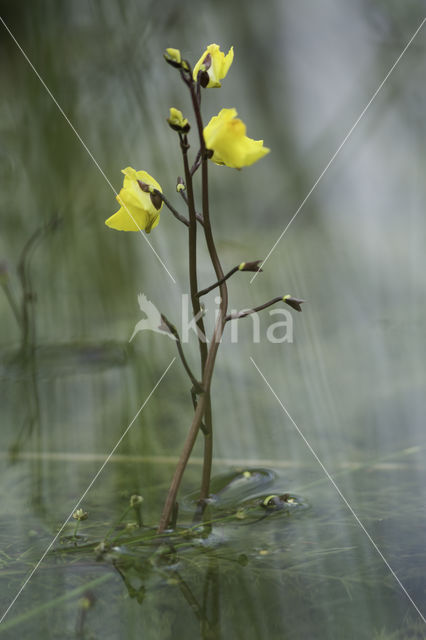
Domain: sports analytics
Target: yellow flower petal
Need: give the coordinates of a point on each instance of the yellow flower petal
(124, 221)
(177, 121)
(173, 55)
(137, 211)
(225, 135)
(215, 64)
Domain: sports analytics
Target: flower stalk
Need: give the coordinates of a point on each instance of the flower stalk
(244, 266)
(224, 142)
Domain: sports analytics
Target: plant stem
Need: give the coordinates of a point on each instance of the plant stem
(244, 314)
(193, 431)
(197, 163)
(208, 440)
(217, 284)
(197, 215)
(76, 527)
(294, 303)
(208, 355)
(192, 237)
(172, 209)
(174, 332)
(192, 246)
(183, 460)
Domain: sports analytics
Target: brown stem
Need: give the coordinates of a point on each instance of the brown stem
(243, 266)
(294, 303)
(217, 284)
(197, 215)
(208, 440)
(193, 431)
(197, 163)
(183, 461)
(172, 209)
(243, 314)
(192, 242)
(196, 309)
(196, 384)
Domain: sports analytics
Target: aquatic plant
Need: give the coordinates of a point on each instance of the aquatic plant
(222, 141)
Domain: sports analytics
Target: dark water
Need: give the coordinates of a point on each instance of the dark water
(352, 380)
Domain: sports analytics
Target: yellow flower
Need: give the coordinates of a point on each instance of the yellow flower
(139, 209)
(177, 121)
(225, 135)
(214, 64)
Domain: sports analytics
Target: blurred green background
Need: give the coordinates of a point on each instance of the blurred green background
(354, 377)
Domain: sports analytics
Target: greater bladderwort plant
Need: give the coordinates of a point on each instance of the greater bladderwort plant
(224, 142)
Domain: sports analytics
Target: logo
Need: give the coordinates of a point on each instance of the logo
(276, 332)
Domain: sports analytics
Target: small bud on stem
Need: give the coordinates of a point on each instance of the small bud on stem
(294, 303)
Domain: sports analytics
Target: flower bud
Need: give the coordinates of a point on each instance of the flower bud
(135, 500)
(293, 302)
(250, 266)
(173, 57)
(177, 122)
(87, 601)
(79, 515)
(180, 186)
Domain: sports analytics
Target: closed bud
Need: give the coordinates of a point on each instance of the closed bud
(180, 186)
(250, 266)
(173, 57)
(177, 122)
(87, 601)
(79, 514)
(135, 500)
(293, 302)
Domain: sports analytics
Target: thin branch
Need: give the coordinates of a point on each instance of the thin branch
(292, 302)
(24, 274)
(244, 266)
(196, 384)
(218, 283)
(182, 192)
(197, 163)
(185, 198)
(172, 209)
